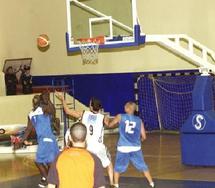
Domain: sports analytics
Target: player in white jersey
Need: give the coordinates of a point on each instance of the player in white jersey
(94, 121)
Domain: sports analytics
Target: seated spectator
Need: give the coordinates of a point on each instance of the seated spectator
(76, 167)
(26, 80)
(10, 81)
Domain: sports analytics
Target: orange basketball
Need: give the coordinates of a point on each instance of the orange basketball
(43, 41)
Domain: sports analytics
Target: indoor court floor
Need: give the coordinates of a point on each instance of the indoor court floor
(162, 153)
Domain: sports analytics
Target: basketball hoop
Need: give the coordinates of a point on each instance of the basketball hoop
(89, 49)
(89, 52)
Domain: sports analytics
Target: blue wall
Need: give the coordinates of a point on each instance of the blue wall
(112, 89)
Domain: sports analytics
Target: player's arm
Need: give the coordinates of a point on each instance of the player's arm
(68, 111)
(26, 135)
(28, 131)
(115, 121)
(143, 132)
(106, 120)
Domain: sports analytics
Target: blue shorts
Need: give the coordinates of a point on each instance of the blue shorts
(136, 158)
(47, 151)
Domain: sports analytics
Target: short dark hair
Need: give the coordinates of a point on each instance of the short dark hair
(10, 67)
(78, 132)
(45, 97)
(96, 104)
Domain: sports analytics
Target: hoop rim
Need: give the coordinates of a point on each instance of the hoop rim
(95, 40)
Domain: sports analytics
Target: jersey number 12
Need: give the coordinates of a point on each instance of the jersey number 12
(129, 126)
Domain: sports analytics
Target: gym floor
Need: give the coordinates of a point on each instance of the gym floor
(162, 153)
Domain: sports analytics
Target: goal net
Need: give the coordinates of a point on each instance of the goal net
(165, 102)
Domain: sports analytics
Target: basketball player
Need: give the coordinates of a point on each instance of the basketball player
(47, 103)
(131, 131)
(40, 119)
(94, 122)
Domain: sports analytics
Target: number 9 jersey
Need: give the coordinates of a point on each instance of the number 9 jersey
(95, 133)
(130, 133)
(95, 127)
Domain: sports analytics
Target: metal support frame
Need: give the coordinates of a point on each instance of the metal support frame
(173, 43)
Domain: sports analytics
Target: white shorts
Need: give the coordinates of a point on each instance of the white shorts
(101, 152)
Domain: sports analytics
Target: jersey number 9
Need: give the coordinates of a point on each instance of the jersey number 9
(91, 130)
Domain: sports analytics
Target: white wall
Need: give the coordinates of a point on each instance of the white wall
(19, 106)
(21, 21)
(2, 84)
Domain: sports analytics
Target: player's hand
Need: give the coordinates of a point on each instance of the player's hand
(16, 142)
(59, 95)
(106, 120)
(28, 143)
(143, 139)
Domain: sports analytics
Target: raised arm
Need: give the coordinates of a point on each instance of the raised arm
(143, 132)
(114, 122)
(68, 111)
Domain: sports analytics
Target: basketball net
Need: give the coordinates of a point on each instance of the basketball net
(90, 49)
(89, 52)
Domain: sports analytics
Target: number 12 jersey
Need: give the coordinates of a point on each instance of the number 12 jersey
(129, 133)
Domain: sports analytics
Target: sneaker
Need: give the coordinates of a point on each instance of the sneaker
(43, 182)
(113, 186)
(152, 184)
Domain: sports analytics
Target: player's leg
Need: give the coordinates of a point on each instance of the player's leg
(102, 153)
(137, 160)
(105, 157)
(121, 165)
(46, 153)
(42, 169)
(116, 179)
(107, 160)
(149, 178)
(44, 173)
(48, 166)
(40, 163)
(110, 173)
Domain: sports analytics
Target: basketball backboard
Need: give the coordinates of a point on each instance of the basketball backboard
(115, 20)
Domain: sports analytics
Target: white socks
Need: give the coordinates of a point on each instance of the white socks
(116, 185)
(152, 184)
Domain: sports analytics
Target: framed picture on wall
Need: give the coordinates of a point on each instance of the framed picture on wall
(18, 65)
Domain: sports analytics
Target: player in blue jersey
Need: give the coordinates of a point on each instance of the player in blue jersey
(131, 133)
(40, 119)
